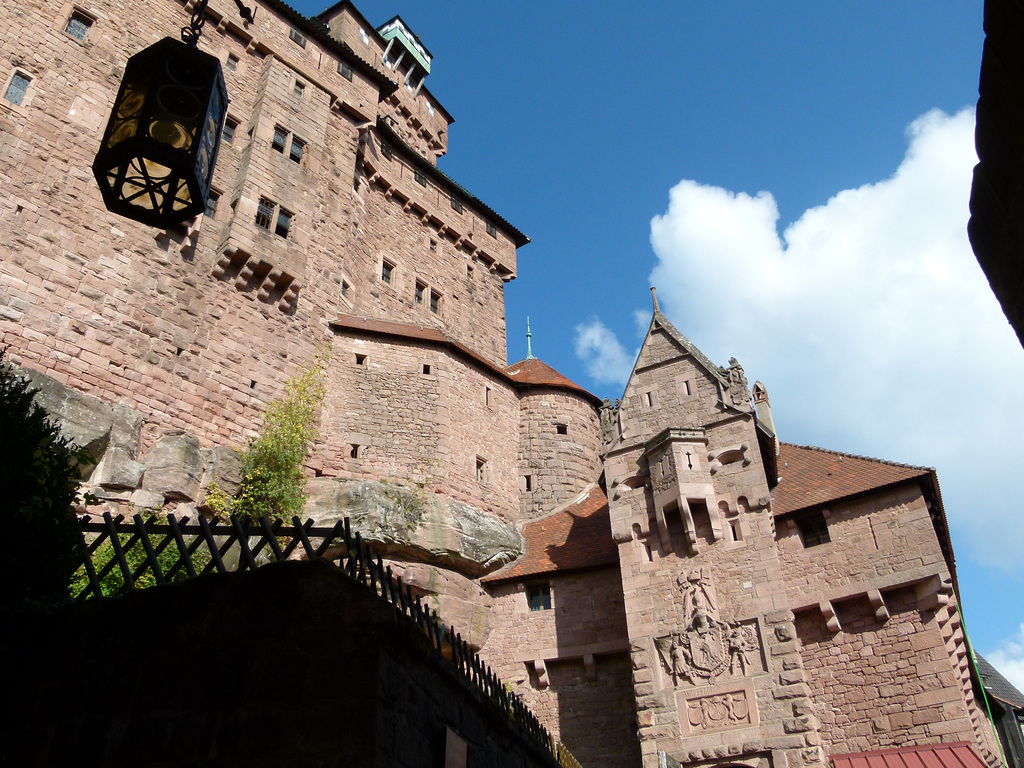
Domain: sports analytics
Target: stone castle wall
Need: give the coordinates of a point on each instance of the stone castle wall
(879, 685)
(569, 663)
(424, 415)
(559, 449)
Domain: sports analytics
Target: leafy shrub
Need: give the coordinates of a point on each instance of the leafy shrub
(39, 478)
(273, 483)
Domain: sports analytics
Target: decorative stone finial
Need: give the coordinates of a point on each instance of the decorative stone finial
(529, 344)
(654, 295)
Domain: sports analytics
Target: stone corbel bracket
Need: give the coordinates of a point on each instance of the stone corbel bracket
(733, 453)
(541, 670)
(829, 613)
(878, 603)
(272, 285)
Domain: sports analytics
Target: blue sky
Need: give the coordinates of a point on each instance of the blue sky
(794, 177)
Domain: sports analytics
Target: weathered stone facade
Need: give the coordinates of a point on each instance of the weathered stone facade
(637, 572)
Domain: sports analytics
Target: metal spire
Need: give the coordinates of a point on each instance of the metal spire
(529, 346)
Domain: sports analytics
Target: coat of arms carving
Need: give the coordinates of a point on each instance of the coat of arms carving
(705, 648)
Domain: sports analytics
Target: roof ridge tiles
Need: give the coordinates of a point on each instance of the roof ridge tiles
(847, 454)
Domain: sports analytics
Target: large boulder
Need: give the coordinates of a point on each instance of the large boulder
(461, 603)
(223, 466)
(409, 523)
(174, 466)
(109, 432)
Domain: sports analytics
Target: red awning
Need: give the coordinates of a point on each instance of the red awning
(959, 754)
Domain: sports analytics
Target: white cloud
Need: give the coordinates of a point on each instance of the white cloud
(606, 360)
(868, 320)
(1009, 659)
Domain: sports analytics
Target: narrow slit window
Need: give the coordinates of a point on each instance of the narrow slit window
(487, 396)
(433, 246)
(435, 302)
(813, 530)
(17, 88)
(296, 150)
(418, 293)
(527, 483)
(78, 26)
(280, 139)
(354, 451)
(345, 287)
(648, 398)
(539, 597)
(284, 223)
(481, 470)
(211, 204)
(232, 62)
(300, 88)
(387, 272)
(228, 134)
(265, 213)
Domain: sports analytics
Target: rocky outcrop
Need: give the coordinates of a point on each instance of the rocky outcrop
(409, 523)
(92, 424)
(461, 603)
(174, 466)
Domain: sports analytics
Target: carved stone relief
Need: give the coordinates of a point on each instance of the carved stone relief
(707, 648)
(718, 711)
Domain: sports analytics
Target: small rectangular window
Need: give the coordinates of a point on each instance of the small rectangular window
(284, 223)
(469, 271)
(426, 369)
(421, 177)
(228, 134)
(387, 270)
(648, 398)
(78, 26)
(265, 213)
(297, 149)
(487, 396)
(353, 451)
(297, 37)
(232, 62)
(481, 470)
(491, 230)
(345, 287)
(345, 70)
(360, 359)
(456, 204)
(562, 429)
(539, 597)
(813, 530)
(528, 483)
(433, 246)
(17, 88)
(435, 302)
(211, 204)
(418, 295)
(300, 88)
(280, 139)
(386, 151)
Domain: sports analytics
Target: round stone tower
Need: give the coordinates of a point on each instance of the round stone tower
(559, 438)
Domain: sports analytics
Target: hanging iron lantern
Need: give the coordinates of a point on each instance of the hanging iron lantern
(160, 146)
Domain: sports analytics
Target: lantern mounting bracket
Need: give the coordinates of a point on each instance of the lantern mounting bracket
(191, 33)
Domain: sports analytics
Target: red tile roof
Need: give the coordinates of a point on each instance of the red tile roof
(958, 754)
(577, 537)
(537, 373)
(811, 476)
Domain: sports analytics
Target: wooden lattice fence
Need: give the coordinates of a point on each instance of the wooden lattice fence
(123, 555)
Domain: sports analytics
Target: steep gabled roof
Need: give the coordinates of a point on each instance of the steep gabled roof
(811, 476)
(534, 372)
(997, 686)
(659, 321)
(574, 538)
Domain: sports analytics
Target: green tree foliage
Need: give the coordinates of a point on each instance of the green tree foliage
(273, 483)
(39, 480)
